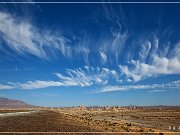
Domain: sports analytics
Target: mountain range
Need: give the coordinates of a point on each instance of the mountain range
(12, 103)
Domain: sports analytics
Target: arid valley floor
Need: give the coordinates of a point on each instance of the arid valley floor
(156, 120)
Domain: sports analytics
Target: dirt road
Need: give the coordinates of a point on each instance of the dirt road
(17, 113)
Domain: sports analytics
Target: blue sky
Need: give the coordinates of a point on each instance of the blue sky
(90, 54)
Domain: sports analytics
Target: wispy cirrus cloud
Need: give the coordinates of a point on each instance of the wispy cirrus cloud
(87, 76)
(81, 77)
(152, 87)
(153, 91)
(103, 56)
(23, 37)
(153, 59)
(38, 84)
(19, 35)
(6, 86)
(149, 60)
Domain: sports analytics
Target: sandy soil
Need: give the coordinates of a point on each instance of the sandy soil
(146, 121)
(137, 120)
(43, 121)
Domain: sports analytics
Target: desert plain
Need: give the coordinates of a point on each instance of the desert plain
(91, 120)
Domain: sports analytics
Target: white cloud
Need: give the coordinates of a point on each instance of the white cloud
(87, 76)
(174, 84)
(71, 81)
(159, 66)
(38, 84)
(113, 43)
(154, 59)
(110, 88)
(6, 87)
(152, 91)
(113, 47)
(145, 49)
(125, 70)
(103, 56)
(21, 36)
(126, 88)
(82, 77)
(154, 87)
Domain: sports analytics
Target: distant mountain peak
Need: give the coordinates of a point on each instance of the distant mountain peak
(12, 103)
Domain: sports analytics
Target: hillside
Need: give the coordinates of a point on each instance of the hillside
(12, 103)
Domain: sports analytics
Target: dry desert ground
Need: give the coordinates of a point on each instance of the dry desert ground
(91, 120)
